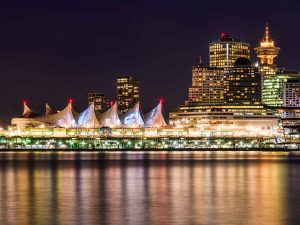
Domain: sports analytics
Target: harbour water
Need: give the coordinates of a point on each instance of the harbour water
(149, 188)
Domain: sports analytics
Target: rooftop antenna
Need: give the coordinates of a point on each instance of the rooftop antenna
(200, 61)
(267, 34)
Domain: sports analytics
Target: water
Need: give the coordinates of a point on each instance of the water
(149, 188)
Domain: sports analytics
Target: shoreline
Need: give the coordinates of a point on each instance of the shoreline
(156, 150)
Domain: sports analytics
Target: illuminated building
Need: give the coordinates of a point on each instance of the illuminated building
(91, 118)
(267, 50)
(291, 90)
(207, 86)
(231, 120)
(242, 84)
(128, 93)
(226, 51)
(272, 77)
(101, 102)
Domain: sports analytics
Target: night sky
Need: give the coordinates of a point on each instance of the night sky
(53, 50)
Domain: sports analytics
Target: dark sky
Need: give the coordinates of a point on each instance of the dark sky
(53, 50)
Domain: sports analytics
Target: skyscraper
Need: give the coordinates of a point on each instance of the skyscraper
(226, 51)
(128, 93)
(243, 84)
(207, 86)
(272, 77)
(100, 101)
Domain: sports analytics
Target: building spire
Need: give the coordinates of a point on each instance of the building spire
(267, 50)
(267, 33)
(200, 61)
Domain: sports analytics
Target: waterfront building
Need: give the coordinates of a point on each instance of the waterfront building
(128, 93)
(226, 51)
(100, 100)
(228, 120)
(242, 84)
(91, 118)
(207, 86)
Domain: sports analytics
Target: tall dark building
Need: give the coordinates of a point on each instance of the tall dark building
(243, 84)
(128, 93)
(101, 101)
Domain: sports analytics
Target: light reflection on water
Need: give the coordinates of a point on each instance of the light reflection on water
(149, 188)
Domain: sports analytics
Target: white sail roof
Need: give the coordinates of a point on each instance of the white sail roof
(88, 118)
(110, 118)
(65, 118)
(155, 118)
(48, 110)
(27, 112)
(134, 118)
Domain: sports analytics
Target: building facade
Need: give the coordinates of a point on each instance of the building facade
(100, 100)
(242, 84)
(207, 86)
(291, 90)
(226, 51)
(128, 93)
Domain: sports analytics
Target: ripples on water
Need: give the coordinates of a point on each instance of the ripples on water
(149, 188)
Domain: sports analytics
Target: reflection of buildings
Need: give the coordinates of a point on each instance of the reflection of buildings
(128, 93)
(101, 102)
(226, 51)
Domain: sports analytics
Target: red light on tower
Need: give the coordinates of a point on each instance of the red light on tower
(24, 102)
(111, 103)
(222, 34)
(71, 100)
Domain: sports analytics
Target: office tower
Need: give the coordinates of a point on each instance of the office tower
(243, 84)
(226, 51)
(207, 85)
(291, 93)
(128, 93)
(100, 100)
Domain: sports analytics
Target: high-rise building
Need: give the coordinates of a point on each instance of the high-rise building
(128, 93)
(291, 90)
(291, 101)
(226, 51)
(273, 78)
(207, 86)
(101, 101)
(243, 84)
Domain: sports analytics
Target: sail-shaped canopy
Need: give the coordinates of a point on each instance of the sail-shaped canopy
(134, 118)
(110, 118)
(155, 118)
(48, 110)
(88, 118)
(65, 118)
(27, 112)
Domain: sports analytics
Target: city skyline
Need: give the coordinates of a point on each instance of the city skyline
(164, 59)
